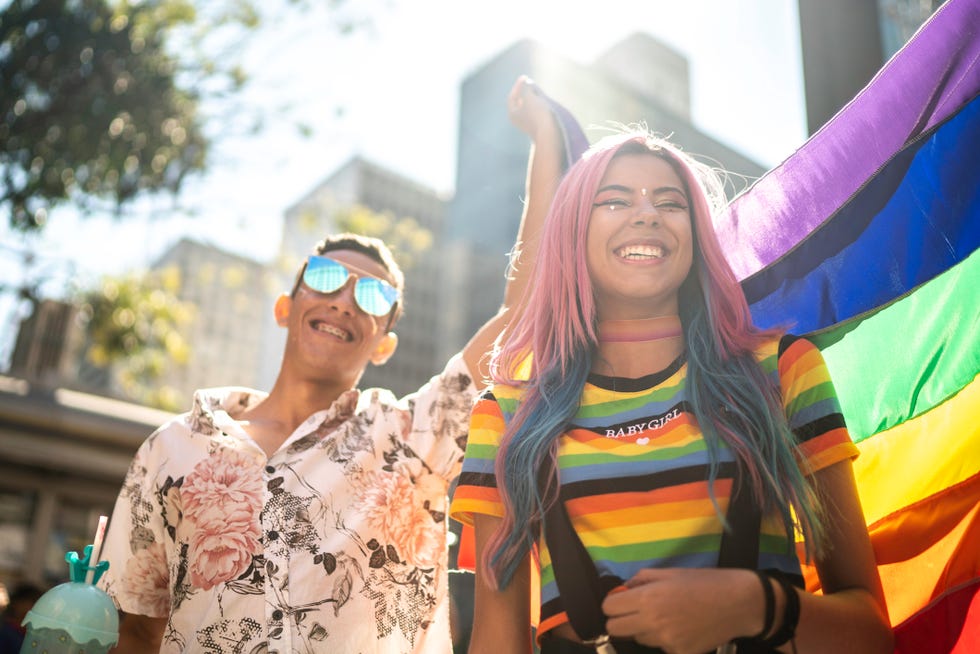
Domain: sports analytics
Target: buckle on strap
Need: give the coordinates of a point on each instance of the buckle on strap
(602, 644)
(727, 648)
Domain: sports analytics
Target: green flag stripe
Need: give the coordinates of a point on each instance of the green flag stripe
(909, 356)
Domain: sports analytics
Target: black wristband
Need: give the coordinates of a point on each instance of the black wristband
(770, 599)
(791, 612)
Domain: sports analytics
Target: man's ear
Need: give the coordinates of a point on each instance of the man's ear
(283, 304)
(385, 349)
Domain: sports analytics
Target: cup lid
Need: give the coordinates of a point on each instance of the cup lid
(82, 610)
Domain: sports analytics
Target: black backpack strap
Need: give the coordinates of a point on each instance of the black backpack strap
(578, 581)
(740, 542)
(575, 574)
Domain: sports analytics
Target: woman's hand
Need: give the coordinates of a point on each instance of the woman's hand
(527, 108)
(686, 611)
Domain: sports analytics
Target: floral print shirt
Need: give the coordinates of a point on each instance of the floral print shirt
(336, 543)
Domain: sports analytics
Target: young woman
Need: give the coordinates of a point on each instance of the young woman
(633, 402)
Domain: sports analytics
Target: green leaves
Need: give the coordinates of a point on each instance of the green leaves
(91, 108)
(102, 101)
(134, 326)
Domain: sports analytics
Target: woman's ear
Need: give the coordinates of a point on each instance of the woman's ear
(387, 347)
(283, 304)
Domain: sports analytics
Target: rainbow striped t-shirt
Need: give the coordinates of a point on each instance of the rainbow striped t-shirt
(634, 468)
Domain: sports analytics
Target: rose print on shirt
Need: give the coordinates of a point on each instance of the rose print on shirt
(146, 578)
(221, 548)
(415, 535)
(228, 479)
(222, 499)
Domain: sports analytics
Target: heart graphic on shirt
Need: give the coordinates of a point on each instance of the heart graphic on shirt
(642, 441)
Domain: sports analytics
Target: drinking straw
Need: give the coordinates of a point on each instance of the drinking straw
(93, 559)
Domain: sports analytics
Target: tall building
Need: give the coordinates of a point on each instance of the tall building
(361, 183)
(637, 80)
(45, 344)
(845, 42)
(229, 293)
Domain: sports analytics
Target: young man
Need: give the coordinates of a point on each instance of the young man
(311, 519)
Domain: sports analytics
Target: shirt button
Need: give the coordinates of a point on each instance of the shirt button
(270, 469)
(273, 534)
(277, 615)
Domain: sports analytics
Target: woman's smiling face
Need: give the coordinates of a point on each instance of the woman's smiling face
(639, 246)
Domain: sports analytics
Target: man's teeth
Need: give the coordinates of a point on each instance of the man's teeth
(330, 329)
(642, 252)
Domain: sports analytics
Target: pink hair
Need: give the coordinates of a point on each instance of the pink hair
(558, 328)
(560, 315)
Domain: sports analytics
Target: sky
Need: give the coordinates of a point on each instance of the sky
(398, 84)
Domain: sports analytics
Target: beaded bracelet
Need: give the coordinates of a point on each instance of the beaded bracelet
(770, 604)
(791, 612)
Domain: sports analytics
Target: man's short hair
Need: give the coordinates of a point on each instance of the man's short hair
(370, 246)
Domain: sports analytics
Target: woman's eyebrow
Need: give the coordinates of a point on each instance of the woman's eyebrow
(627, 189)
(614, 187)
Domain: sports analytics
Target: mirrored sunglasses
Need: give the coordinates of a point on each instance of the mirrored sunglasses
(374, 296)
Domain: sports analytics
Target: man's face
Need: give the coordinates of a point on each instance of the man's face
(330, 336)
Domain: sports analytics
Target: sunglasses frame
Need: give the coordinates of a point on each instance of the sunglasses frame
(374, 285)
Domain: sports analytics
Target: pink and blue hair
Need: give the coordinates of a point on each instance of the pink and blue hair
(733, 399)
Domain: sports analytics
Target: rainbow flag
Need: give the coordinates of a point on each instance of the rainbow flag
(865, 240)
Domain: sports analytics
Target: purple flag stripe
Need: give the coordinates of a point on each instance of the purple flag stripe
(933, 76)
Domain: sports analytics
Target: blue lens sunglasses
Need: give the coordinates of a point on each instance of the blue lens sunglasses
(374, 296)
